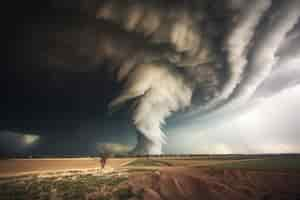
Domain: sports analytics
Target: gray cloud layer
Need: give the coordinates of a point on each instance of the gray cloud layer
(195, 56)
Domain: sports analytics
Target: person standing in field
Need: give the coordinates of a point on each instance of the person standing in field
(103, 161)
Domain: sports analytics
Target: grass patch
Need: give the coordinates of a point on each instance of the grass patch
(280, 164)
(126, 193)
(148, 163)
(140, 170)
(64, 188)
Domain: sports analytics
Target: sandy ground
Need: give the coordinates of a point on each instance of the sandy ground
(16, 167)
(19, 167)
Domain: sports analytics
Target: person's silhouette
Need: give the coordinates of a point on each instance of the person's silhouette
(103, 161)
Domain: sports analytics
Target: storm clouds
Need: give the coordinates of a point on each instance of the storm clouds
(156, 58)
(184, 55)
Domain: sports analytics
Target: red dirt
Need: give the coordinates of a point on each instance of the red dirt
(209, 184)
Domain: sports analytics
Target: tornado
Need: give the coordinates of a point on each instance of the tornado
(192, 58)
(160, 54)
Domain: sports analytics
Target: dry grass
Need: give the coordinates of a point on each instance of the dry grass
(198, 163)
(17, 167)
(81, 178)
(71, 187)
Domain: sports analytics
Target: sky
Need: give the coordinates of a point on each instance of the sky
(268, 126)
(151, 76)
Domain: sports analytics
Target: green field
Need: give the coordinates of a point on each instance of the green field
(148, 162)
(268, 163)
(278, 164)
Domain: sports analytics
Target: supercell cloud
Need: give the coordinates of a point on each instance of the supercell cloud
(14, 142)
(189, 57)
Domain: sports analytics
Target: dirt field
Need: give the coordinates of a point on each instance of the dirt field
(15, 167)
(275, 178)
(211, 184)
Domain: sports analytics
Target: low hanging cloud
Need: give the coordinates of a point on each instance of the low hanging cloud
(192, 57)
(17, 143)
(112, 148)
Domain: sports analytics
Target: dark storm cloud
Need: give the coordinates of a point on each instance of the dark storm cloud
(17, 143)
(253, 56)
(170, 56)
(255, 34)
(290, 47)
(162, 52)
(159, 51)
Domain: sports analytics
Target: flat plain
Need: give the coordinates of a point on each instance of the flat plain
(152, 178)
